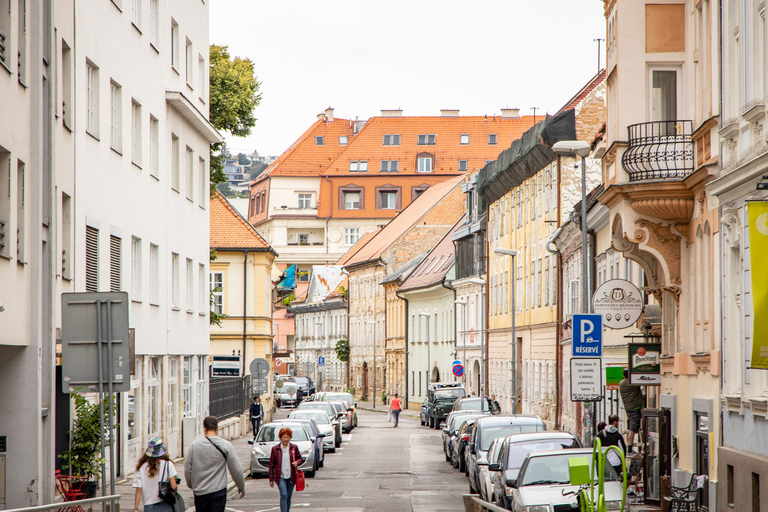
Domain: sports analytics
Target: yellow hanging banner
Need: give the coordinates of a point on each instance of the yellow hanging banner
(758, 249)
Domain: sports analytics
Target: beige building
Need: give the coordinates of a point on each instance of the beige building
(661, 150)
(241, 288)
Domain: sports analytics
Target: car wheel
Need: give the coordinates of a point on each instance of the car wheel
(322, 463)
(332, 450)
(338, 441)
(437, 423)
(422, 420)
(461, 465)
(431, 422)
(447, 457)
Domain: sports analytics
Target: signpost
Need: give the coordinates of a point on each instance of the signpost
(618, 302)
(321, 361)
(458, 370)
(587, 335)
(586, 379)
(260, 371)
(645, 364)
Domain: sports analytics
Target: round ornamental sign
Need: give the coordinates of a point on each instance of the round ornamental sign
(619, 302)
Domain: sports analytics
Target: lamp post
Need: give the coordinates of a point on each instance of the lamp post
(477, 280)
(512, 339)
(429, 354)
(464, 357)
(319, 372)
(372, 323)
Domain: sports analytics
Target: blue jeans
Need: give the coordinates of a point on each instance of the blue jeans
(286, 491)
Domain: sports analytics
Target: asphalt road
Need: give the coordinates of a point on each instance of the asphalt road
(377, 468)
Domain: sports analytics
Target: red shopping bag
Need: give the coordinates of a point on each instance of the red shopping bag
(300, 483)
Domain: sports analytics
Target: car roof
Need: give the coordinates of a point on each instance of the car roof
(310, 409)
(511, 419)
(537, 436)
(570, 452)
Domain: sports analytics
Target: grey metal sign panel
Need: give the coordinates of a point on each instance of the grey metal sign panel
(90, 319)
(259, 367)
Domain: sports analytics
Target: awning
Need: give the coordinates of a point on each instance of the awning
(288, 281)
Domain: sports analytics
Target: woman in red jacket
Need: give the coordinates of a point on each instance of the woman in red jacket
(283, 461)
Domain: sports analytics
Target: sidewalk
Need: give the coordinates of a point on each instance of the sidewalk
(125, 488)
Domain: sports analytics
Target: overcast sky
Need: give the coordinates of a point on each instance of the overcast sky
(361, 56)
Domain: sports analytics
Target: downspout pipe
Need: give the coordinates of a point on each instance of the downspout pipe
(245, 307)
(405, 346)
(559, 298)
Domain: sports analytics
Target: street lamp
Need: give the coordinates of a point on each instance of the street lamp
(581, 148)
(429, 356)
(318, 371)
(477, 280)
(464, 303)
(372, 323)
(512, 339)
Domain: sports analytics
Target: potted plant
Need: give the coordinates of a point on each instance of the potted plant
(84, 455)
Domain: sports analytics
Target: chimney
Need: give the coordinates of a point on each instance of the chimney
(321, 116)
(449, 112)
(329, 114)
(392, 113)
(359, 125)
(510, 113)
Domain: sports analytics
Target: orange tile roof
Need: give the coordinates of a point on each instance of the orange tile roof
(404, 221)
(304, 157)
(436, 264)
(368, 143)
(229, 230)
(355, 248)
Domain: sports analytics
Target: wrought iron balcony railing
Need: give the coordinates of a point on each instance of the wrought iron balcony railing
(659, 150)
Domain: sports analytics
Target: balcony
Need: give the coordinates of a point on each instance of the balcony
(659, 150)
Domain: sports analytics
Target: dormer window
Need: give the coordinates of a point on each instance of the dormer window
(464, 140)
(462, 165)
(319, 140)
(392, 140)
(491, 139)
(424, 164)
(358, 166)
(427, 140)
(390, 165)
(343, 140)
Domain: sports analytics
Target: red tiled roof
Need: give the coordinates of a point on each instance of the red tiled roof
(436, 264)
(229, 230)
(355, 248)
(407, 218)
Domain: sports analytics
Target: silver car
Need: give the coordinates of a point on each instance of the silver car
(268, 437)
(545, 475)
(324, 424)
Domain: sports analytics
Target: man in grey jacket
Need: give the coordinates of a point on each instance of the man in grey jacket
(205, 469)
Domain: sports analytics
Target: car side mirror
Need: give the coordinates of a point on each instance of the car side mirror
(482, 462)
(320, 435)
(472, 448)
(250, 441)
(511, 482)
(446, 431)
(494, 467)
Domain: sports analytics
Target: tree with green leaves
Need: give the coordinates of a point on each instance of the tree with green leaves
(234, 94)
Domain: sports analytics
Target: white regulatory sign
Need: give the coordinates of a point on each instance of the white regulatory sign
(619, 302)
(586, 379)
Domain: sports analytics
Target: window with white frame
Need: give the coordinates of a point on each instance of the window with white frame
(154, 146)
(319, 140)
(462, 165)
(665, 95)
(202, 189)
(427, 140)
(136, 269)
(136, 132)
(343, 140)
(116, 133)
(133, 405)
(136, 13)
(153, 397)
(189, 63)
(202, 303)
(464, 139)
(201, 77)
(202, 373)
(175, 162)
(351, 200)
(392, 140)
(174, 45)
(92, 99)
(492, 139)
(173, 393)
(358, 166)
(305, 201)
(217, 292)
(388, 199)
(390, 165)
(154, 274)
(190, 286)
(424, 164)
(153, 22)
(187, 370)
(351, 236)
(190, 174)
(174, 280)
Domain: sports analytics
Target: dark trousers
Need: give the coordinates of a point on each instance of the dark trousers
(211, 502)
(255, 422)
(396, 415)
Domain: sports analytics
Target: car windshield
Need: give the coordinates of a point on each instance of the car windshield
(338, 407)
(449, 394)
(488, 433)
(328, 408)
(302, 381)
(518, 451)
(474, 404)
(457, 420)
(319, 416)
(346, 397)
(269, 433)
(553, 470)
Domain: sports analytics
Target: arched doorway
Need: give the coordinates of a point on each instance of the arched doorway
(476, 378)
(435, 377)
(365, 379)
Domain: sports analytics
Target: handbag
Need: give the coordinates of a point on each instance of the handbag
(165, 492)
(300, 483)
(389, 416)
(179, 506)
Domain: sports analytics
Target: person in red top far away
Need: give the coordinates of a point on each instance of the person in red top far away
(394, 406)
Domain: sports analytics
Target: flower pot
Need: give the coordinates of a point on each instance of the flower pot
(89, 488)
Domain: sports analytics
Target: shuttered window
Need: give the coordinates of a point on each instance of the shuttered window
(115, 250)
(91, 259)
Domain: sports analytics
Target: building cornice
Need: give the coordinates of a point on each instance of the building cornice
(196, 118)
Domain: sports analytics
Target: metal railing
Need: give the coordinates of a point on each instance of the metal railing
(473, 503)
(109, 503)
(659, 150)
(229, 396)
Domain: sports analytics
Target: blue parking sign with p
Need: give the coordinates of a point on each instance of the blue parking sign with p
(587, 335)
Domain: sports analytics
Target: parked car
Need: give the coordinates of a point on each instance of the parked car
(287, 394)
(268, 437)
(457, 454)
(514, 449)
(486, 477)
(345, 416)
(440, 400)
(329, 409)
(545, 475)
(476, 403)
(314, 434)
(451, 428)
(424, 414)
(488, 429)
(346, 397)
(306, 384)
(326, 426)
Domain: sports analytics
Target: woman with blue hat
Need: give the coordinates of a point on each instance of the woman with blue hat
(154, 467)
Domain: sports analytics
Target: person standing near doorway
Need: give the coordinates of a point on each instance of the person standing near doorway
(256, 415)
(610, 436)
(634, 402)
(394, 407)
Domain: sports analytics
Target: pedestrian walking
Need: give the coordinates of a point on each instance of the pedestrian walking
(256, 414)
(205, 468)
(495, 402)
(634, 402)
(283, 461)
(299, 395)
(610, 436)
(394, 408)
(153, 467)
